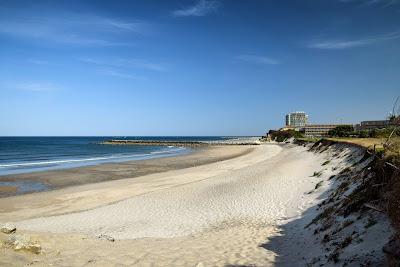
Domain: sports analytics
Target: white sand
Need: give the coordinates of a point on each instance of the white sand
(253, 195)
(211, 215)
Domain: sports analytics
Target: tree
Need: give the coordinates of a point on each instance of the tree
(341, 131)
(281, 136)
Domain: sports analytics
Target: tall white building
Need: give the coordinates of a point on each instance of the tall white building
(298, 119)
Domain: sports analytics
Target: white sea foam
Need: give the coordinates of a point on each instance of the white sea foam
(168, 151)
(86, 159)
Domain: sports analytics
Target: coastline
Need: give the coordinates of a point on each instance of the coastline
(253, 210)
(210, 215)
(61, 178)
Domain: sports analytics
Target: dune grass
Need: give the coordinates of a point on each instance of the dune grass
(365, 142)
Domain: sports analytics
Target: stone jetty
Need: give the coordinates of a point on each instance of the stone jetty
(235, 141)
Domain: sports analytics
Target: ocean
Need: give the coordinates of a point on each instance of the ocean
(30, 154)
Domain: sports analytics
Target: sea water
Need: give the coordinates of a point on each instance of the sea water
(30, 154)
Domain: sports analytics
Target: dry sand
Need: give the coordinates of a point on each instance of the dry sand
(217, 214)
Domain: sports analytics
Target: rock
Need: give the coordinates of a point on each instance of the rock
(8, 228)
(34, 248)
(106, 237)
(22, 242)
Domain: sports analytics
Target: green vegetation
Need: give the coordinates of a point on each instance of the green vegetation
(384, 133)
(282, 136)
(348, 131)
(341, 131)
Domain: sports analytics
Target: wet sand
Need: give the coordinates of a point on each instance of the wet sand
(57, 179)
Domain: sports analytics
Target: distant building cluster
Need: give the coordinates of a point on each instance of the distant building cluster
(369, 125)
(298, 121)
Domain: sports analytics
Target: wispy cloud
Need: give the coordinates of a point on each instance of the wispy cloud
(50, 34)
(345, 44)
(336, 44)
(137, 27)
(201, 8)
(115, 73)
(126, 63)
(33, 86)
(38, 61)
(261, 60)
(69, 28)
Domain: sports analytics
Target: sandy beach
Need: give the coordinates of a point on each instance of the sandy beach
(223, 211)
(217, 214)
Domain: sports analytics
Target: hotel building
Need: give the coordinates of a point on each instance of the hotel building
(298, 119)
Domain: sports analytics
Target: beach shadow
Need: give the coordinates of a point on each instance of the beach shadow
(294, 244)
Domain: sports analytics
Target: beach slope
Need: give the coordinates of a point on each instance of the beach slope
(216, 214)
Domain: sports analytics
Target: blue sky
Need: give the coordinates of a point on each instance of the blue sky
(194, 67)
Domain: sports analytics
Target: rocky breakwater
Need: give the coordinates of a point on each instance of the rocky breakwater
(236, 141)
(154, 143)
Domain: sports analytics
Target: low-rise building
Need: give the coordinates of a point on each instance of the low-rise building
(369, 125)
(318, 130)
